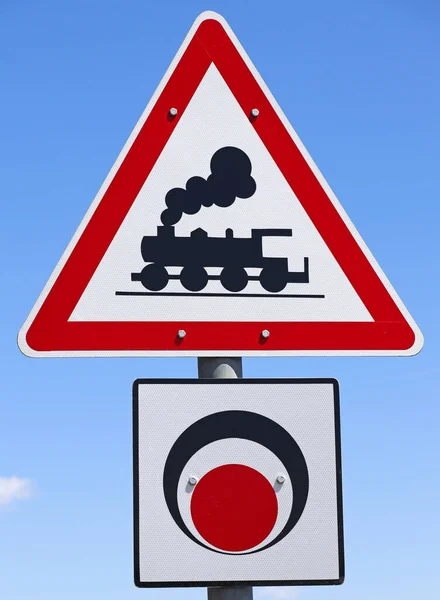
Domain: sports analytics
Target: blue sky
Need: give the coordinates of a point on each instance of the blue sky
(359, 82)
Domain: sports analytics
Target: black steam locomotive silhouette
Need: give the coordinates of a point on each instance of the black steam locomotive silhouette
(199, 251)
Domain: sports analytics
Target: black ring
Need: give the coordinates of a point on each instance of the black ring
(248, 426)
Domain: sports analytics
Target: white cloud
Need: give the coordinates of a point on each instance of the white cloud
(278, 593)
(14, 488)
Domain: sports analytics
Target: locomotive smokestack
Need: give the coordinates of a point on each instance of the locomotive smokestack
(230, 179)
(165, 231)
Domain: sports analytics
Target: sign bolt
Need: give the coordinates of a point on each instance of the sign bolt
(265, 334)
(173, 112)
(255, 112)
(281, 479)
(192, 480)
(181, 334)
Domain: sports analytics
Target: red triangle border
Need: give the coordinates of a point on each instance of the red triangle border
(52, 332)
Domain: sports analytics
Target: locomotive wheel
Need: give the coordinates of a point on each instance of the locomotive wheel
(273, 280)
(154, 277)
(234, 279)
(194, 278)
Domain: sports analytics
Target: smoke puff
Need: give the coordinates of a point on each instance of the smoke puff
(230, 179)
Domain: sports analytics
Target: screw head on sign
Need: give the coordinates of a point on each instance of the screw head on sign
(192, 480)
(173, 112)
(281, 479)
(181, 334)
(255, 112)
(265, 334)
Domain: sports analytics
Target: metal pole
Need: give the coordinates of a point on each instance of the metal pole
(220, 368)
(224, 368)
(230, 593)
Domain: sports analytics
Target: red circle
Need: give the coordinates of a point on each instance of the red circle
(234, 507)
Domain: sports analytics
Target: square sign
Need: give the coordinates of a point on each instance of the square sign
(237, 482)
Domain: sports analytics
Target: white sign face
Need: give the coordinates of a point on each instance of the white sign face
(212, 123)
(237, 482)
(215, 221)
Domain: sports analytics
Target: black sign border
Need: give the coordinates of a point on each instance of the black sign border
(259, 381)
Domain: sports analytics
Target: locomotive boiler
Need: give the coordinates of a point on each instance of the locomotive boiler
(198, 252)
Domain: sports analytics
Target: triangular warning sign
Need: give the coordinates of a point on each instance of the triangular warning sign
(215, 234)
